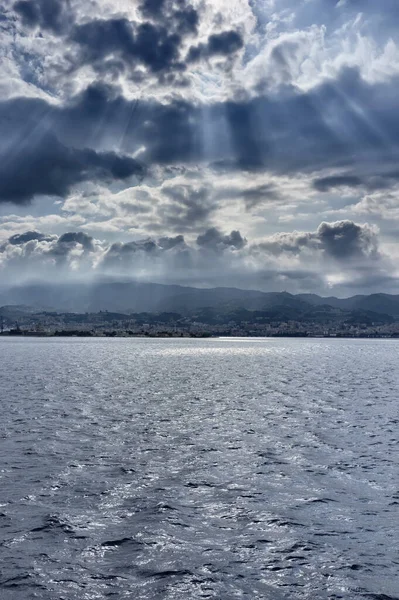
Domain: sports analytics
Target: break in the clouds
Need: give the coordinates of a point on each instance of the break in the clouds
(245, 143)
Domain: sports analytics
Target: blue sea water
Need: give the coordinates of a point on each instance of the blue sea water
(188, 469)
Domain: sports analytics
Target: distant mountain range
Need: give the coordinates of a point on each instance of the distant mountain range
(130, 296)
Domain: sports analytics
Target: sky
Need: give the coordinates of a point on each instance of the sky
(247, 143)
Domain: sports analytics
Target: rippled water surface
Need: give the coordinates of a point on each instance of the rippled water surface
(185, 469)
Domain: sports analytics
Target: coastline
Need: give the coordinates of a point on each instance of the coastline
(104, 335)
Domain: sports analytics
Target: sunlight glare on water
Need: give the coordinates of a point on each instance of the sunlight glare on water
(212, 468)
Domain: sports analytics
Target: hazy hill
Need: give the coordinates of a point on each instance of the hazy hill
(380, 303)
(125, 296)
(130, 296)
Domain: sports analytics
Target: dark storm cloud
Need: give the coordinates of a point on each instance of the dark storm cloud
(325, 184)
(7, 21)
(54, 15)
(36, 254)
(124, 254)
(61, 248)
(370, 182)
(153, 8)
(342, 241)
(56, 245)
(149, 44)
(115, 45)
(73, 237)
(166, 243)
(48, 167)
(156, 48)
(28, 236)
(57, 15)
(183, 17)
(218, 44)
(345, 240)
(26, 239)
(102, 37)
(187, 20)
(283, 133)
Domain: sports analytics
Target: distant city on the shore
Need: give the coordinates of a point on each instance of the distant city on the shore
(145, 309)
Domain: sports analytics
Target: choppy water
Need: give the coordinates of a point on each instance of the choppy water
(174, 469)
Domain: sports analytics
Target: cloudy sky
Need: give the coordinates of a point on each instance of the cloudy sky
(251, 143)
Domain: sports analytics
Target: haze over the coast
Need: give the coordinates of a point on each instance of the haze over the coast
(245, 143)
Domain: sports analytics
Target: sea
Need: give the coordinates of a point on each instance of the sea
(188, 469)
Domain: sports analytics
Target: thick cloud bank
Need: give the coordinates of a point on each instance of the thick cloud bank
(50, 168)
(342, 255)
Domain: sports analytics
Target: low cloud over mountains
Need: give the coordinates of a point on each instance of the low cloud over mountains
(342, 253)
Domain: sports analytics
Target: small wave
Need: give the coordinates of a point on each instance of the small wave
(197, 484)
(320, 500)
(381, 597)
(284, 523)
(162, 506)
(107, 577)
(127, 470)
(257, 543)
(52, 523)
(21, 581)
(117, 543)
(165, 574)
(277, 568)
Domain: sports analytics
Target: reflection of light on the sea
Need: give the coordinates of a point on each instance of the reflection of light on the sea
(223, 350)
